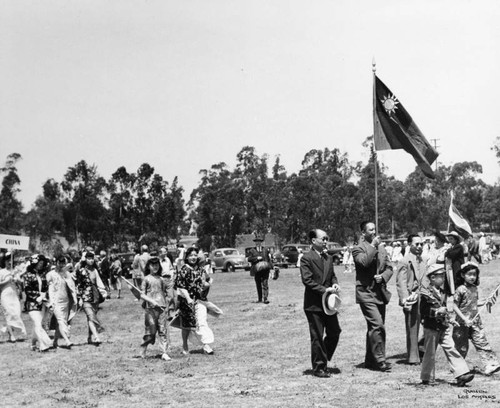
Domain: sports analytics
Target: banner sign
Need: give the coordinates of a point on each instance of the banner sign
(14, 242)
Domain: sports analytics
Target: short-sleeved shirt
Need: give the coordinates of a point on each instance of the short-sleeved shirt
(154, 287)
(466, 299)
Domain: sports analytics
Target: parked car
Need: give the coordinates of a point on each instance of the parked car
(290, 253)
(336, 251)
(228, 260)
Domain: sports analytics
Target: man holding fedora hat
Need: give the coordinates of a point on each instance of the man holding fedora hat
(260, 258)
(320, 302)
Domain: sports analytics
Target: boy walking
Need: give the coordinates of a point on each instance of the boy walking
(438, 330)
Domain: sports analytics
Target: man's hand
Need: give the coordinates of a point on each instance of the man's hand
(376, 241)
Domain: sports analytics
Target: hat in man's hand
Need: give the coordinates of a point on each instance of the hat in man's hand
(331, 303)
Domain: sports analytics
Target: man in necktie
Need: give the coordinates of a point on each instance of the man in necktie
(318, 277)
(410, 279)
(373, 271)
(261, 261)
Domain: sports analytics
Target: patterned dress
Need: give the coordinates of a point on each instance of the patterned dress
(34, 286)
(191, 279)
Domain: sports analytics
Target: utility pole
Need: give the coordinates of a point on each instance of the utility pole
(434, 142)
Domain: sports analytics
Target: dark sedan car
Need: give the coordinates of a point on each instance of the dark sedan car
(290, 253)
(336, 251)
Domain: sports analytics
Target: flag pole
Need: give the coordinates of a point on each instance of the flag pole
(374, 69)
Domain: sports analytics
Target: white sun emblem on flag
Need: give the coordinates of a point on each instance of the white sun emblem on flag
(390, 103)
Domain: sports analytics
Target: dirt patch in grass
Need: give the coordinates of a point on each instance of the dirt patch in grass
(262, 358)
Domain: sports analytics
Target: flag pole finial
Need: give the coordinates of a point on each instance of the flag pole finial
(374, 65)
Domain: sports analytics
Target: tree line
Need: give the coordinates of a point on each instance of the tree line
(257, 195)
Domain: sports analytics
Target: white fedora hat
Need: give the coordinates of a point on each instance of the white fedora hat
(331, 303)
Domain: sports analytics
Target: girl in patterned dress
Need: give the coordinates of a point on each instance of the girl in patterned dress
(471, 327)
(192, 284)
(90, 288)
(36, 290)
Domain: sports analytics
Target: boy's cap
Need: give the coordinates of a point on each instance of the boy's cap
(435, 269)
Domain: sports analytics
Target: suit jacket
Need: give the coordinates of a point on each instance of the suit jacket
(317, 275)
(410, 276)
(370, 261)
(254, 254)
(430, 301)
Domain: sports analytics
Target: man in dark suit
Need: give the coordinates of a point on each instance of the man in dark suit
(261, 261)
(318, 277)
(373, 271)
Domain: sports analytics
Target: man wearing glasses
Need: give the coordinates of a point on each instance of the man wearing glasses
(373, 271)
(318, 277)
(410, 279)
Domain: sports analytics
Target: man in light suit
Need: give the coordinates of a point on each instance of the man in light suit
(410, 279)
(373, 271)
(318, 277)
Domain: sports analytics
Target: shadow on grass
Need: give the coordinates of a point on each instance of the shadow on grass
(12, 342)
(418, 384)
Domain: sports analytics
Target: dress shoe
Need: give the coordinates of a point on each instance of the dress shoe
(429, 382)
(321, 374)
(383, 366)
(464, 379)
(208, 350)
(266, 301)
(492, 368)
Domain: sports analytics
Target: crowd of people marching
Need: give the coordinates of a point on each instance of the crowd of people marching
(436, 280)
(52, 291)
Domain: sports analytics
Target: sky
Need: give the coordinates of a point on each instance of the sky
(186, 84)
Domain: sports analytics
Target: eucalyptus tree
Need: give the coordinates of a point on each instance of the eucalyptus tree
(10, 206)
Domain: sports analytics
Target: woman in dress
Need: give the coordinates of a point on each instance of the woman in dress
(62, 297)
(90, 289)
(454, 258)
(9, 300)
(36, 288)
(192, 284)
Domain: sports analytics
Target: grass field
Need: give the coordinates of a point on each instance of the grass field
(262, 358)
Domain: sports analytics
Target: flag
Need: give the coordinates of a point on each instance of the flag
(395, 129)
(492, 299)
(457, 222)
